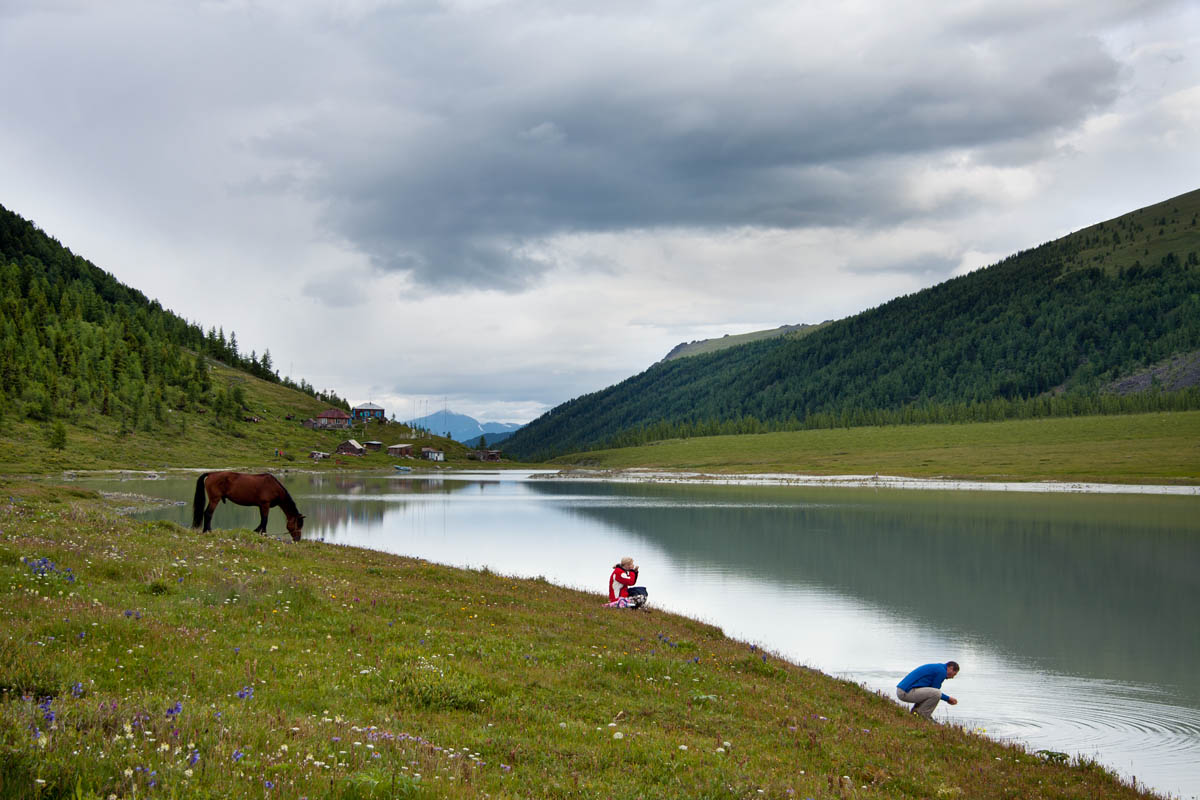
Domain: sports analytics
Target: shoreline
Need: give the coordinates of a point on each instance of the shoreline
(646, 475)
(650, 475)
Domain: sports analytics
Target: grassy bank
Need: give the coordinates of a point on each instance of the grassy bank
(1139, 448)
(141, 659)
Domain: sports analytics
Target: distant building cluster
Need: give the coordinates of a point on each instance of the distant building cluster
(336, 419)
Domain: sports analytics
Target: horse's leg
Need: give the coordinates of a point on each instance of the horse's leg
(264, 509)
(208, 512)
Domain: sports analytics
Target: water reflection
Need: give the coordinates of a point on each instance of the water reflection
(1081, 585)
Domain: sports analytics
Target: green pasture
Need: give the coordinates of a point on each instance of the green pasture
(144, 660)
(1135, 448)
(189, 439)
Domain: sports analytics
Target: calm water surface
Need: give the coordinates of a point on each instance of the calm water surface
(1074, 617)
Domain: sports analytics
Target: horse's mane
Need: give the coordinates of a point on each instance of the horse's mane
(286, 502)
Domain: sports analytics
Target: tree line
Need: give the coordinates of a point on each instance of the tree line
(74, 339)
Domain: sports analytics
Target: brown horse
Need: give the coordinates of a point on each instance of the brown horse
(264, 491)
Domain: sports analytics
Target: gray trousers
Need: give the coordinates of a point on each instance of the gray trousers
(924, 699)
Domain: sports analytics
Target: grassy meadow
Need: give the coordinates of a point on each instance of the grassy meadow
(187, 439)
(144, 660)
(1135, 448)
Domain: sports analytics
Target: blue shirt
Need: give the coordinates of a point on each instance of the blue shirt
(925, 675)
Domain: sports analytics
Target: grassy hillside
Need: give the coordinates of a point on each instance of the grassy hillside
(1061, 320)
(193, 438)
(142, 660)
(93, 374)
(702, 346)
(1140, 448)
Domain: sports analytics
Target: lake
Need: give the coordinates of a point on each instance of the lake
(1074, 616)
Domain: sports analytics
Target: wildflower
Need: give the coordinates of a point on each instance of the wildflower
(175, 709)
(683, 747)
(77, 689)
(269, 784)
(618, 735)
(237, 756)
(246, 693)
(187, 773)
(193, 756)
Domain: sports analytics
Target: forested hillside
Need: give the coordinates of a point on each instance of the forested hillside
(1040, 333)
(75, 341)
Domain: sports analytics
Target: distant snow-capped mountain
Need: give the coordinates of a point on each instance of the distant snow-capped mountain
(460, 427)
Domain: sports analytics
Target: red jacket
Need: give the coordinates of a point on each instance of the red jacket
(619, 582)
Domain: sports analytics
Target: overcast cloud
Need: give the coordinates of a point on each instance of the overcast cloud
(497, 206)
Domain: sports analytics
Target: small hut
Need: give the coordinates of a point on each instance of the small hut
(373, 446)
(333, 418)
(400, 450)
(350, 448)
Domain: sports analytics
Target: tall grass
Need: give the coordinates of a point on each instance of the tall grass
(145, 660)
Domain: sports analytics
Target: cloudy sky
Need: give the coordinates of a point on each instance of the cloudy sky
(498, 206)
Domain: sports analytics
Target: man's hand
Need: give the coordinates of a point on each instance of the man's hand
(952, 701)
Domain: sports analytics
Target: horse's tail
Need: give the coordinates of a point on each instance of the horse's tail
(199, 502)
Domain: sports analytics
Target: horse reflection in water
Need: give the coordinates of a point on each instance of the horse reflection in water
(264, 491)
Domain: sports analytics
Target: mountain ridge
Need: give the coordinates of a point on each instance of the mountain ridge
(1064, 318)
(462, 427)
(701, 346)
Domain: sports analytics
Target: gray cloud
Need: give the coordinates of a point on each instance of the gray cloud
(461, 146)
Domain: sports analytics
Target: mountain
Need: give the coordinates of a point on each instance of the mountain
(73, 338)
(701, 346)
(493, 439)
(1040, 333)
(460, 427)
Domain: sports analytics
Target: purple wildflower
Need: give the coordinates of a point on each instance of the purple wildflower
(77, 690)
(193, 757)
(237, 755)
(246, 693)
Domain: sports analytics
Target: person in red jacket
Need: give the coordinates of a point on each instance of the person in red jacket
(623, 576)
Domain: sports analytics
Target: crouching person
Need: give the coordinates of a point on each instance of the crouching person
(621, 590)
(923, 687)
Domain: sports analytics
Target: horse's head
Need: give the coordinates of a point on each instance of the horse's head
(295, 525)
